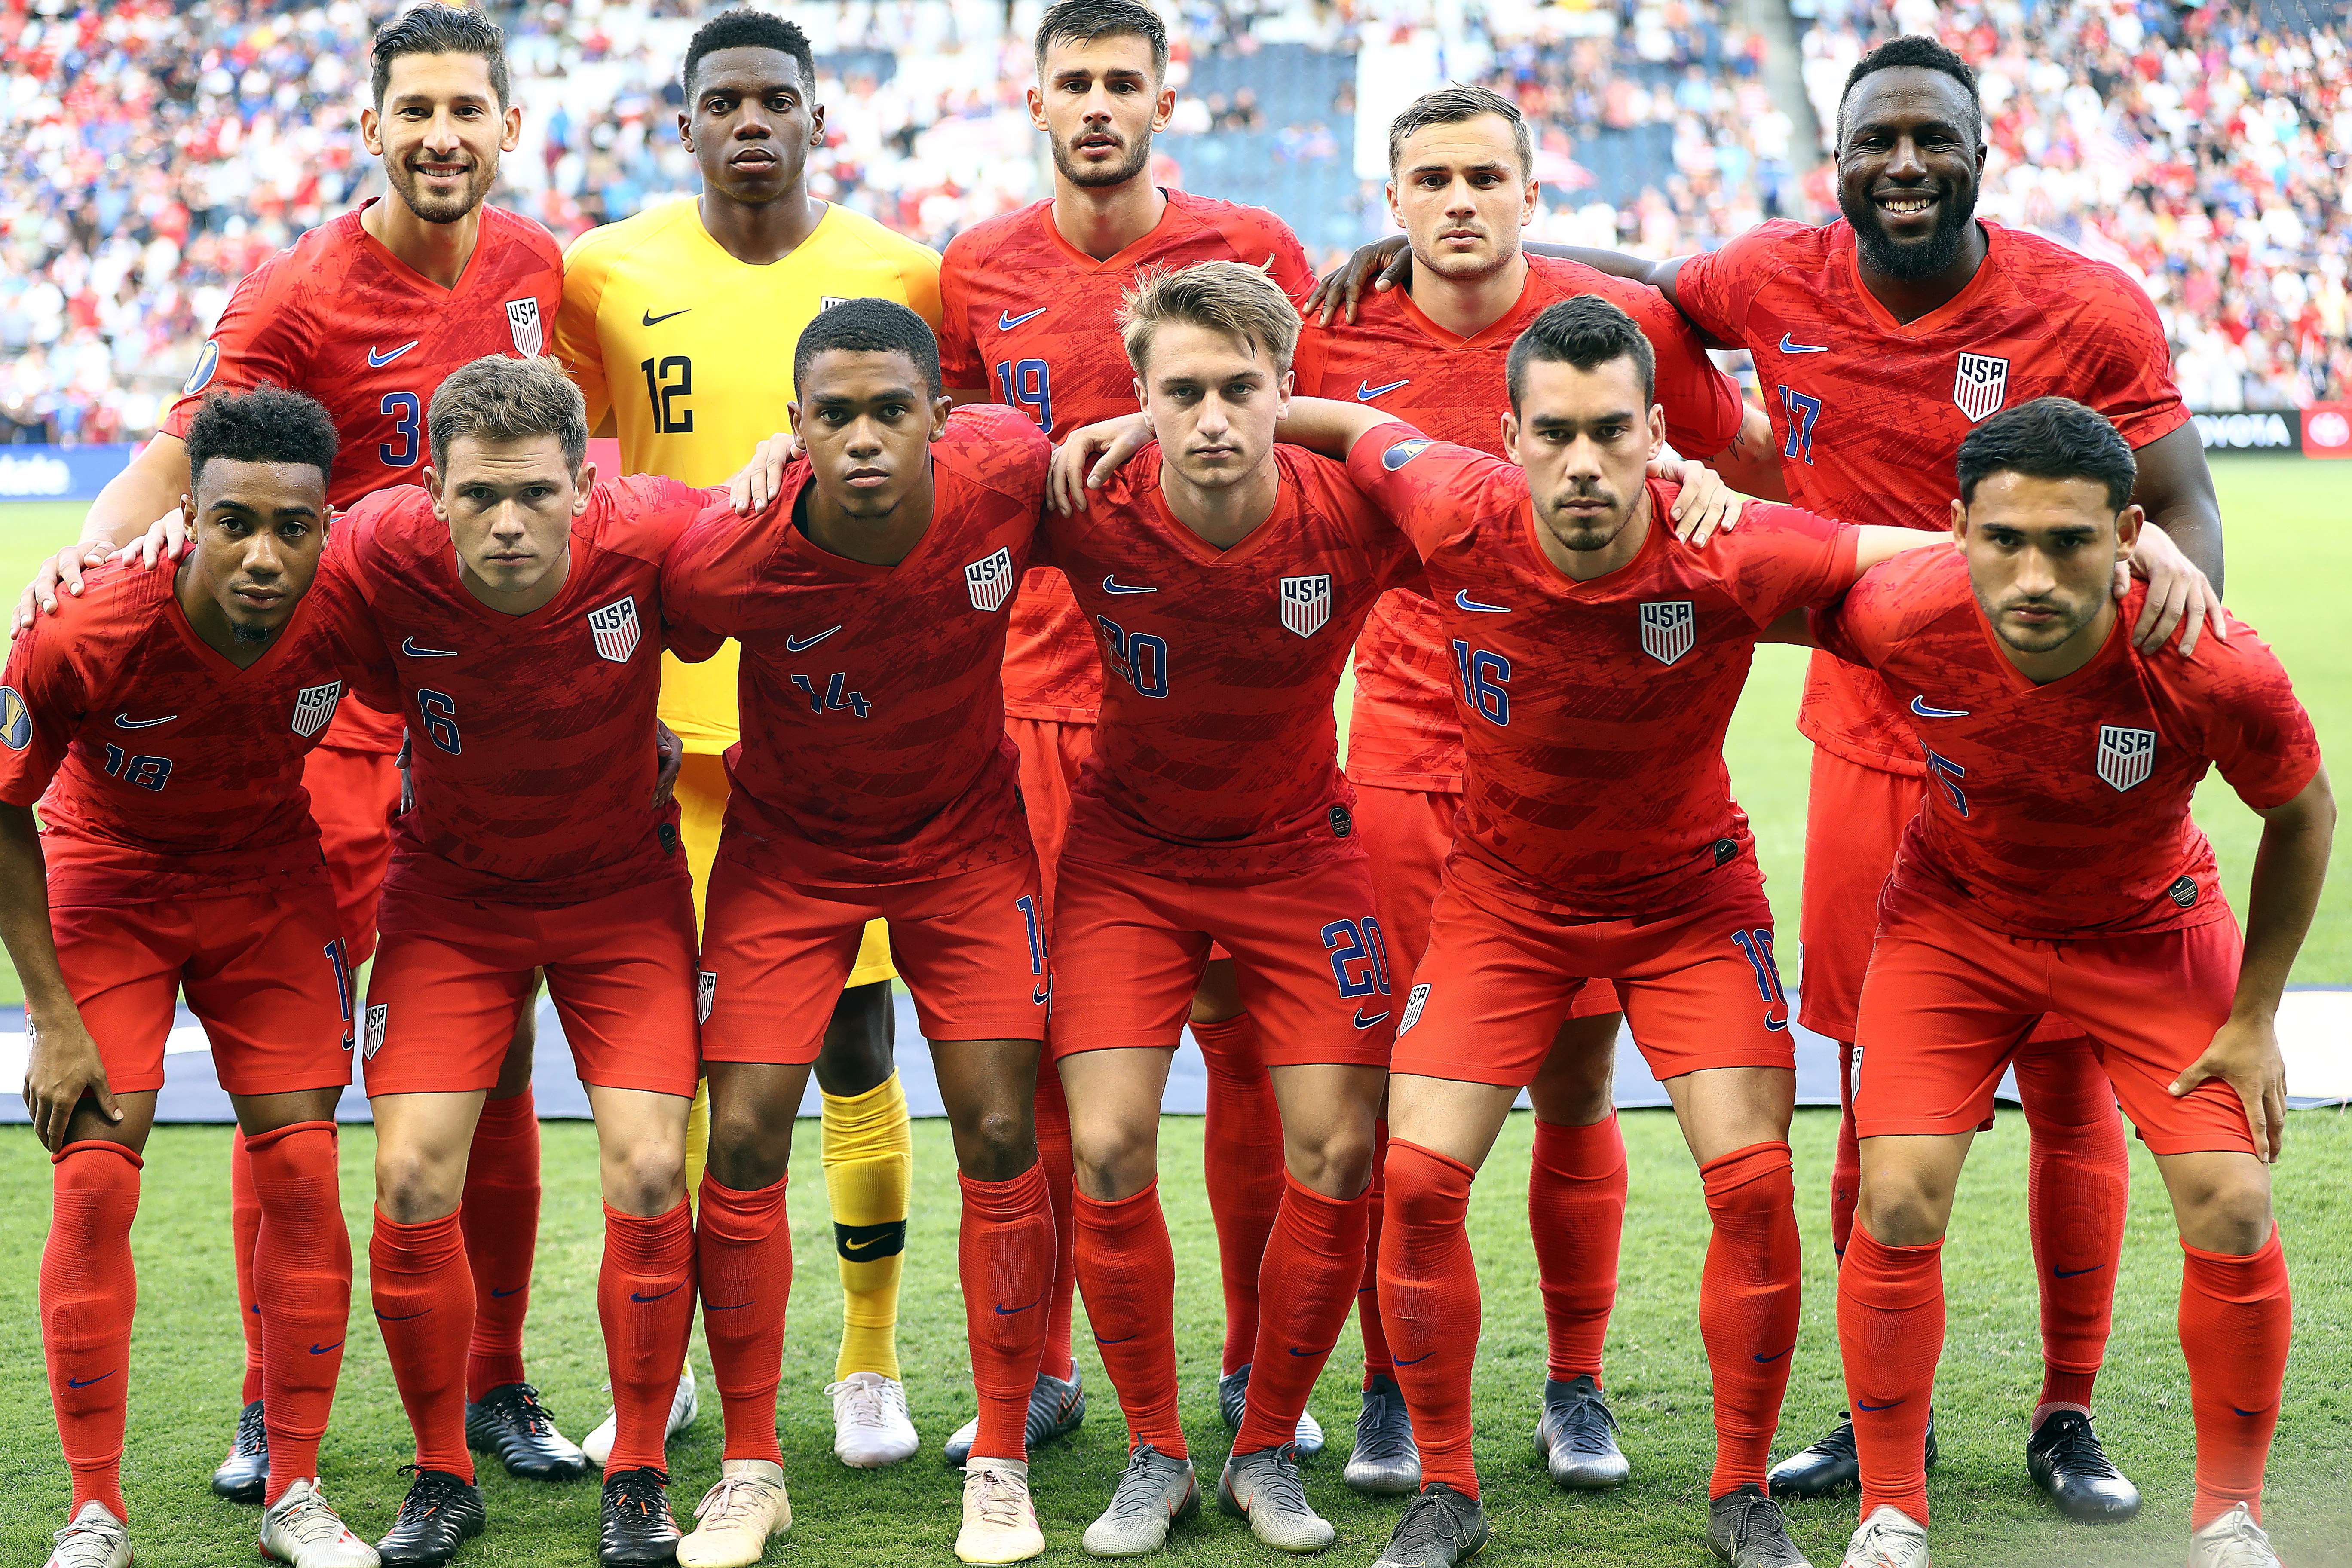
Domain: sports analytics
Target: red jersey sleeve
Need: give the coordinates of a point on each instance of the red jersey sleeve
(1862, 625)
(704, 575)
(960, 366)
(366, 663)
(2131, 371)
(42, 700)
(1429, 489)
(1264, 240)
(260, 337)
(1702, 403)
(1714, 290)
(1780, 559)
(2256, 732)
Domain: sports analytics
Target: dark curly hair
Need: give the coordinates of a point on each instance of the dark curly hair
(267, 425)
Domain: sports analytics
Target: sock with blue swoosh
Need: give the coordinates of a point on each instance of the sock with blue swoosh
(1890, 1320)
(305, 1253)
(1314, 1261)
(2237, 1315)
(1128, 1274)
(501, 1216)
(1430, 1306)
(88, 1291)
(424, 1300)
(2078, 1189)
(645, 1299)
(1748, 1296)
(1004, 1258)
(743, 1252)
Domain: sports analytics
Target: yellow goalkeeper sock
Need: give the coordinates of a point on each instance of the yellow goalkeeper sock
(869, 1159)
(698, 1141)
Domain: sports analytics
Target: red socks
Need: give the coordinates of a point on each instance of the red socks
(245, 1233)
(1378, 1360)
(1241, 1158)
(1004, 1258)
(501, 1216)
(1846, 1166)
(1748, 1299)
(1055, 1159)
(2236, 1317)
(2078, 1186)
(1128, 1274)
(424, 1300)
(1576, 1209)
(87, 1295)
(1314, 1261)
(1429, 1302)
(743, 1248)
(305, 1253)
(645, 1300)
(1891, 1334)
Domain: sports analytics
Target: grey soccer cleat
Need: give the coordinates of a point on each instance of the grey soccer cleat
(1153, 1492)
(1264, 1488)
(1232, 1403)
(1441, 1529)
(1747, 1530)
(1055, 1410)
(1387, 1461)
(1578, 1436)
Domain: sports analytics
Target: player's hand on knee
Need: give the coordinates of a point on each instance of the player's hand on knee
(1706, 503)
(63, 1066)
(2245, 1056)
(2180, 596)
(65, 568)
(1088, 456)
(669, 755)
(1391, 259)
(166, 538)
(757, 483)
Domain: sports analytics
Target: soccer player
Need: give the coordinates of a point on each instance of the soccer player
(159, 722)
(675, 323)
(1881, 339)
(510, 609)
(2053, 867)
(874, 780)
(367, 314)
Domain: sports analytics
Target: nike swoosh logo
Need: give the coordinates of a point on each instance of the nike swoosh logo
(658, 1295)
(1769, 1360)
(1462, 601)
(323, 1350)
(2248, 1414)
(125, 722)
(379, 361)
(1365, 392)
(1920, 706)
(1788, 347)
(1006, 321)
(1004, 1312)
(404, 1318)
(713, 1307)
(408, 645)
(1100, 1341)
(1364, 1023)
(651, 319)
(2077, 1273)
(801, 644)
(102, 1377)
(853, 1245)
(498, 1295)
(1042, 995)
(1873, 1409)
(1111, 584)
(1413, 1361)
(1325, 1350)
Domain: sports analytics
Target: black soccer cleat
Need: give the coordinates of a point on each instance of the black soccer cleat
(512, 1426)
(1746, 1530)
(1831, 1463)
(1441, 1529)
(439, 1514)
(1056, 1409)
(245, 1472)
(2066, 1461)
(638, 1528)
(1577, 1436)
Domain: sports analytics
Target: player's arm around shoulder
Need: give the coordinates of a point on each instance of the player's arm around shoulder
(706, 571)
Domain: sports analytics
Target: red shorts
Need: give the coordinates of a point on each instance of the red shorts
(1307, 949)
(265, 972)
(1407, 834)
(1949, 1003)
(1052, 753)
(453, 976)
(1698, 985)
(970, 947)
(354, 796)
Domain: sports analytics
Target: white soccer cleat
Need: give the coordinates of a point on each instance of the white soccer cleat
(301, 1528)
(999, 1523)
(738, 1516)
(95, 1539)
(683, 1408)
(2232, 1540)
(870, 1425)
(1887, 1539)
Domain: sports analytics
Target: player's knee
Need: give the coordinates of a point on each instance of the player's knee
(746, 1153)
(1903, 1210)
(1115, 1160)
(996, 1143)
(412, 1187)
(647, 1178)
(2231, 1212)
(1337, 1164)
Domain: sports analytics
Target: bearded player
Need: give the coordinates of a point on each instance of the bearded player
(674, 323)
(2053, 867)
(368, 313)
(160, 721)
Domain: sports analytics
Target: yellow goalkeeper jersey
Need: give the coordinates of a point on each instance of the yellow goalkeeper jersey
(690, 350)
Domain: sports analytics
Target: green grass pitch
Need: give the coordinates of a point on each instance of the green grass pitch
(2286, 558)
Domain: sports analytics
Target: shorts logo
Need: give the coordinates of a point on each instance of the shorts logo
(207, 363)
(1413, 1004)
(522, 317)
(2183, 892)
(614, 629)
(2125, 756)
(1307, 602)
(314, 705)
(1980, 386)
(1669, 629)
(705, 988)
(989, 581)
(378, 1013)
(15, 720)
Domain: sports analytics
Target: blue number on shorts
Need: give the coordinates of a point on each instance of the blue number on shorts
(147, 772)
(341, 965)
(1027, 384)
(1948, 773)
(1137, 657)
(1758, 945)
(1801, 412)
(1353, 943)
(1028, 908)
(833, 698)
(439, 711)
(405, 412)
(1483, 677)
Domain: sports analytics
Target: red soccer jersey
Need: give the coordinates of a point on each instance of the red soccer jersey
(2062, 810)
(169, 772)
(532, 753)
(1871, 412)
(338, 316)
(1062, 363)
(1404, 732)
(1594, 712)
(1217, 754)
(873, 698)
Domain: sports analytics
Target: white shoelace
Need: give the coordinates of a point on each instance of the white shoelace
(1887, 1546)
(731, 1499)
(93, 1541)
(311, 1521)
(1000, 1497)
(863, 1403)
(2244, 1545)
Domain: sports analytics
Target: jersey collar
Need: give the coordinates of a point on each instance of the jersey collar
(1984, 282)
(1127, 259)
(1502, 330)
(1652, 545)
(2118, 640)
(295, 628)
(409, 275)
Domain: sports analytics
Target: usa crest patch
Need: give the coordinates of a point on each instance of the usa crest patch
(1669, 629)
(706, 991)
(1307, 602)
(2127, 756)
(378, 1015)
(314, 705)
(1413, 1007)
(522, 316)
(989, 581)
(614, 629)
(1980, 386)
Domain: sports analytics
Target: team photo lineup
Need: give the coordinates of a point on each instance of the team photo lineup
(980, 622)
